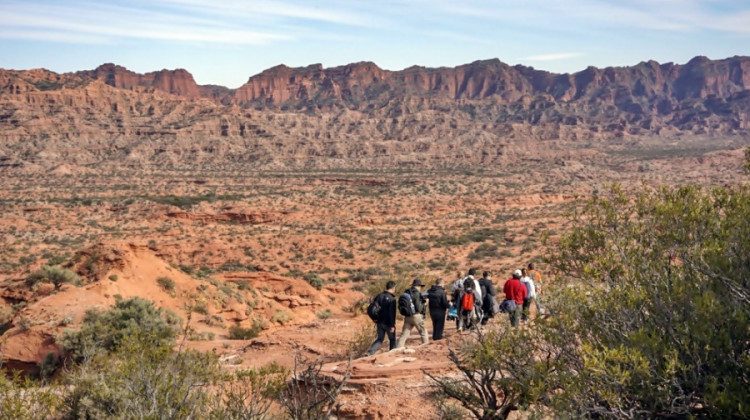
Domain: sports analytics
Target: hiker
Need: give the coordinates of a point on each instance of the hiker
(438, 304)
(386, 317)
(458, 285)
(515, 292)
(456, 289)
(411, 304)
(489, 301)
(537, 278)
(530, 294)
(469, 306)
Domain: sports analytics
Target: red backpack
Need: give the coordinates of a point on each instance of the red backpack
(467, 301)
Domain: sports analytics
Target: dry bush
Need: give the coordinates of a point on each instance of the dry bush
(309, 394)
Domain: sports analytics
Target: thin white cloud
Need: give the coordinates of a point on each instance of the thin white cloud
(53, 36)
(663, 15)
(262, 22)
(189, 21)
(551, 57)
(265, 8)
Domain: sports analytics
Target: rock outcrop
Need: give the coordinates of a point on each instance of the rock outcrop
(177, 82)
(358, 114)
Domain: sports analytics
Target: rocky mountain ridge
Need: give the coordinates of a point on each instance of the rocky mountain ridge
(358, 114)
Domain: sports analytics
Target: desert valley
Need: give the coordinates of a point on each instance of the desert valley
(266, 217)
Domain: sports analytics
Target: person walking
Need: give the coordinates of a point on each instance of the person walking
(417, 319)
(386, 318)
(438, 304)
(536, 276)
(530, 294)
(488, 295)
(516, 292)
(456, 288)
(472, 275)
(469, 304)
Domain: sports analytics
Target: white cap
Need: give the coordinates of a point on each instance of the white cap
(517, 273)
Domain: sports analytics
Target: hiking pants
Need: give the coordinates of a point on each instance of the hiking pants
(409, 322)
(382, 331)
(465, 319)
(526, 306)
(538, 303)
(515, 316)
(438, 323)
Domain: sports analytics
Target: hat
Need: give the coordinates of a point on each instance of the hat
(517, 274)
(416, 282)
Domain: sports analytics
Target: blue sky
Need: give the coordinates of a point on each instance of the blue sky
(226, 41)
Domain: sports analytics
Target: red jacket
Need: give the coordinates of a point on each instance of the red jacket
(513, 289)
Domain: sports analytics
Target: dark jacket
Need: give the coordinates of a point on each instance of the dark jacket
(418, 300)
(437, 299)
(487, 288)
(387, 309)
(488, 291)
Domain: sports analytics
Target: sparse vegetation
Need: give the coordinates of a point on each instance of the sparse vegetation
(103, 332)
(237, 332)
(428, 234)
(55, 275)
(166, 283)
(282, 317)
(324, 314)
(310, 395)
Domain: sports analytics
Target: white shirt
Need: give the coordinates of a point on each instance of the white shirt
(529, 285)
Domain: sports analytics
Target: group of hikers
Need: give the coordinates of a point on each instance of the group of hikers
(472, 304)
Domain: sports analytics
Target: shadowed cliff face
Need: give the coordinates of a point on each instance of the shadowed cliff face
(359, 114)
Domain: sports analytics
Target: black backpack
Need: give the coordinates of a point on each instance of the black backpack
(373, 311)
(405, 304)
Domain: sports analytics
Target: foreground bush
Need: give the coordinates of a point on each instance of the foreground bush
(649, 316)
(145, 381)
(20, 398)
(141, 380)
(499, 372)
(660, 305)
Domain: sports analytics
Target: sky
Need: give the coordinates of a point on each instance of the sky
(225, 42)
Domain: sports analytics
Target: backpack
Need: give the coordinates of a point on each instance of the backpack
(528, 289)
(467, 302)
(373, 311)
(405, 304)
(452, 313)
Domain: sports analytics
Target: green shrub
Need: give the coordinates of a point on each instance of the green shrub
(48, 366)
(650, 316)
(661, 327)
(103, 332)
(143, 378)
(496, 373)
(315, 280)
(237, 332)
(282, 317)
(166, 283)
(53, 274)
(359, 342)
(248, 394)
(202, 336)
(484, 251)
(21, 398)
(200, 308)
(324, 314)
